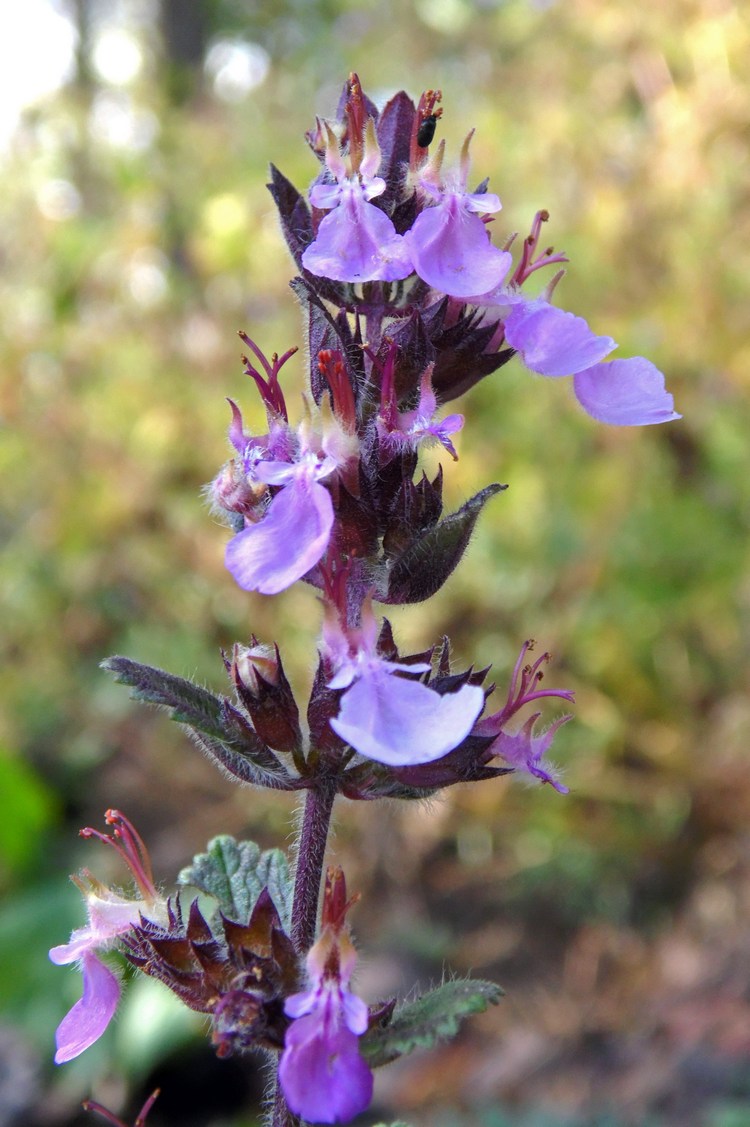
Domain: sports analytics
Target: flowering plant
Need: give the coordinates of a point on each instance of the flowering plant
(408, 304)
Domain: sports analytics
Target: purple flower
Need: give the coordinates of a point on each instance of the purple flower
(92, 1013)
(520, 748)
(270, 555)
(556, 343)
(410, 429)
(322, 1075)
(625, 393)
(387, 717)
(523, 750)
(552, 341)
(356, 241)
(109, 916)
(449, 244)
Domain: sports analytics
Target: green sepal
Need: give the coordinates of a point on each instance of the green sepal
(432, 1017)
(235, 873)
(422, 568)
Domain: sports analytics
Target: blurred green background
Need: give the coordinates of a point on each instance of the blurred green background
(136, 237)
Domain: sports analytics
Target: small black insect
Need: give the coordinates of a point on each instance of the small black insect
(426, 130)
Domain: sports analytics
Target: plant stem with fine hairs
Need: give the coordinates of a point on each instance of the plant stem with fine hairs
(311, 847)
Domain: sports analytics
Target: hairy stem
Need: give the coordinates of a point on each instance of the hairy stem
(311, 848)
(281, 1116)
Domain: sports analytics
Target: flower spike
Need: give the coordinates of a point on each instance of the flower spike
(408, 303)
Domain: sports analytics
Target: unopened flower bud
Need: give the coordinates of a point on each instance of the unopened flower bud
(231, 491)
(261, 685)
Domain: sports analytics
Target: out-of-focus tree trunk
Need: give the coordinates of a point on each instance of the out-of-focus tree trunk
(184, 29)
(82, 19)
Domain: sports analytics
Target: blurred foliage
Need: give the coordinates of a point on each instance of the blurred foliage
(136, 236)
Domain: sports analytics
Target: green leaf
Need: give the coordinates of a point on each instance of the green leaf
(218, 729)
(187, 702)
(432, 1017)
(236, 872)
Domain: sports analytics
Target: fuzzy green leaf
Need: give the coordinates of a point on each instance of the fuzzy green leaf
(187, 702)
(432, 1017)
(236, 872)
(216, 726)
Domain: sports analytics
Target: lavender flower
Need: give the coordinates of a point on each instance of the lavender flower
(410, 429)
(524, 750)
(323, 1076)
(92, 1013)
(293, 535)
(387, 717)
(286, 535)
(356, 241)
(556, 343)
(110, 916)
(449, 244)
(520, 748)
(553, 342)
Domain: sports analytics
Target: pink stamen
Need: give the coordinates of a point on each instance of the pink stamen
(91, 1105)
(269, 388)
(331, 366)
(127, 842)
(527, 264)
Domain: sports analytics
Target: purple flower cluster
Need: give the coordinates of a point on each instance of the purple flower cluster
(408, 305)
(448, 247)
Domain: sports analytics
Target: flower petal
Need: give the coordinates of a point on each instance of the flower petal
(323, 1077)
(81, 940)
(356, 242)
(356, 1013)
(552, 341)
(271, 555)
(483, 203)
(452, 252)
(625, 393)
(91, 1014)
(402, 723)
(523, 750)
(296, 1005)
